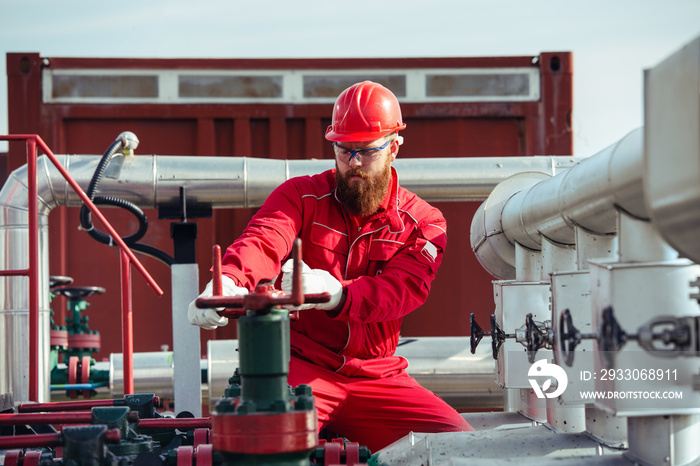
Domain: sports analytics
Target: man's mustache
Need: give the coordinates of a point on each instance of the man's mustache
(355, 172)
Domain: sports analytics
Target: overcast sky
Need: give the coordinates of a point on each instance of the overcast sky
(612, 41)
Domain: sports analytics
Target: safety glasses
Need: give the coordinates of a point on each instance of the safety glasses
(361, 155)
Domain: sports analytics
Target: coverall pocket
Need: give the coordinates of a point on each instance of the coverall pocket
(329, 246)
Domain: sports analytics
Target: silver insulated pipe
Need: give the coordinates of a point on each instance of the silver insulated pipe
(152, 181)
(588, 196)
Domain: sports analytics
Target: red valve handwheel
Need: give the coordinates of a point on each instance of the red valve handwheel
(264, 296)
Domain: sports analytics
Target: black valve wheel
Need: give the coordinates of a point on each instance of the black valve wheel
(535, 338)
(475, 333)
(57, 280)
(498, 336)
(569, 337)
(612, 336)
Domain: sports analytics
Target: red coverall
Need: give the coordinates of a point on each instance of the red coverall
(386, 263)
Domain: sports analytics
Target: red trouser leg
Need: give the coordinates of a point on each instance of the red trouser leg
(375, 412)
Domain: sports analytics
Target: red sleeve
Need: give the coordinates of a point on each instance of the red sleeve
(267, 240)
(404, 283)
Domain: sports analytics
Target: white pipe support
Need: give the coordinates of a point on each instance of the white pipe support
(674, 440)
(556, 258)
(590, 246)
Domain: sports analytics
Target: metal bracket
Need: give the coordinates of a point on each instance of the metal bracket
(695, 283)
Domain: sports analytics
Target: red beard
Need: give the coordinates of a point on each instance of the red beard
(362, 197)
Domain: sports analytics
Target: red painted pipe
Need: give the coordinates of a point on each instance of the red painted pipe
(175, 423)
(31, 441)
(79, 417)
(127, 326)
(63, 406)
(47, 440)
(74, 405)
(33, 272)
(217, 287)
(82, 417)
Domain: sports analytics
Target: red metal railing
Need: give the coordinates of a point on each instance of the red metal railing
(127, 259)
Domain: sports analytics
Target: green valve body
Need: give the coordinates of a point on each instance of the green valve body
(264, 421)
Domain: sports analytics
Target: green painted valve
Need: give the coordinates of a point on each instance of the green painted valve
(261, 420)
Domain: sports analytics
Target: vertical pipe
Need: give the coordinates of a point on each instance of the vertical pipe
(33, 272)
(297, 284)
(127, 324)
(216, 271)
(186, 369)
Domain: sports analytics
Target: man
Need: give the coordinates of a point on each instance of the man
(375, 248)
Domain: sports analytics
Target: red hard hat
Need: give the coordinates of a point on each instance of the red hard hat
(365, 111)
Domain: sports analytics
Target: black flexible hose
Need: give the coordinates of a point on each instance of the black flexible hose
(154, 252)
(115, 202)
(131, 240)
(102, 166)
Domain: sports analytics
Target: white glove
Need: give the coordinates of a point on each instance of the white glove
(314, 281)
(208, 319)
